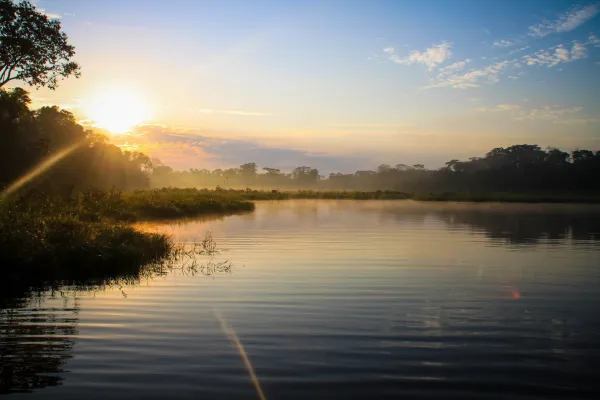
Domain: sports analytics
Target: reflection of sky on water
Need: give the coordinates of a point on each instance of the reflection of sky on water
(36, 340)
(485, 298)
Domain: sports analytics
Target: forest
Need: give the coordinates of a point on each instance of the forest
(32, 138)
(520, 168)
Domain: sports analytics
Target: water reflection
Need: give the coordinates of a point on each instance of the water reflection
(36, 340)
(529, 226)
(336, 299)
(509, 223)
(39, 320)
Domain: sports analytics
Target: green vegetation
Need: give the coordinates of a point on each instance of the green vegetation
(523, 170)
(252, 194)
(33, 47)
(86, 234)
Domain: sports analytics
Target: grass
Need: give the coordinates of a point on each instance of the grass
(252, 195)
(89, 236)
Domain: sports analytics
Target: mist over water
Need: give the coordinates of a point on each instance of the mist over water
(335, 299)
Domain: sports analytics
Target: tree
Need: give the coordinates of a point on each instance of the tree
(248, 171)
(452, 164)
(272, 171)
(382, 168)
(33, 49)
(305, 175)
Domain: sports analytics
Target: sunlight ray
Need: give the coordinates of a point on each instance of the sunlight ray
(230, 333)
(39, 169)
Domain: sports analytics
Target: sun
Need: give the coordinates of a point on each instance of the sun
(117, 111)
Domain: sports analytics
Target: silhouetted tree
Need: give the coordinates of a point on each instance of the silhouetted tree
(520, 168)
(33, 48)
(27, 138)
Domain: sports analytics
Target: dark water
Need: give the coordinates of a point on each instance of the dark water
(335, 299)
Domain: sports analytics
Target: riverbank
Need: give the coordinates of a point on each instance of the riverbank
(251, 195)
(89, 234)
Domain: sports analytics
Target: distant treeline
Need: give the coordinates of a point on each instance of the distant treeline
(28, 139)
(515, 169)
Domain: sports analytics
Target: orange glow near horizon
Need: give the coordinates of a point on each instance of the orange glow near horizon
(117, 111)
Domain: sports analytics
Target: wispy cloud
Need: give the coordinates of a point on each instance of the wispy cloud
(65, 103)
(553, 114)
(43, 11)
(499, 108)
(183, 149)
(431, 57)
(504, 43)
(473, 78)
(510, 53)
(549, 113)
(382, 126)
(556, 55)
(233, 112)
(593, 39)
(452, 68)
(566, 22)
(49, 15)
(452, 76)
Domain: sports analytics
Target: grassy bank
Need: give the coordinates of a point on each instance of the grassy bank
(250, 194)
(88, 234)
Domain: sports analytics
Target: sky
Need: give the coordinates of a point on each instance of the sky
(336, 85)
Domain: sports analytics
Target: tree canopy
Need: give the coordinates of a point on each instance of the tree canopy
(28, 138)
(522, 168)
(33, 47)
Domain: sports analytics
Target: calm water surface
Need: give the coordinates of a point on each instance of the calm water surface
(335, 299)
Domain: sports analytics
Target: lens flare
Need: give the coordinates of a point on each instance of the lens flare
(38, 170)
(230, 333)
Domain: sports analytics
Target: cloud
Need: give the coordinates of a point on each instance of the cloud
(510, 53)
(554, 114)
(556, 55)
(473, 78)
(457, 66)
(184, 149)
(233, 112)
(430, 57)
(49, 15)
(499, 108)
(504, 43)
(379, 126)
(593, 39)
(576, 121)
(566, 22)
(451, 76)
(65, 103)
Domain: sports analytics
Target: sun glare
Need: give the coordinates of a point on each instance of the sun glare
(117, 111)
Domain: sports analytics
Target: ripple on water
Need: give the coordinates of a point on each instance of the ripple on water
(336, 299)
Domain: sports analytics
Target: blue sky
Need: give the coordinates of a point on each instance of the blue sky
(338, 84)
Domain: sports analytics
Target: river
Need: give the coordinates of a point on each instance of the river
(333, 299)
